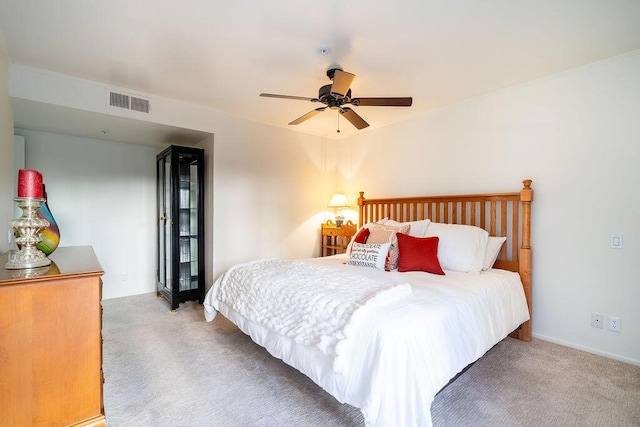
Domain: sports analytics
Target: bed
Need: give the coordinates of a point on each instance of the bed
(386, 341)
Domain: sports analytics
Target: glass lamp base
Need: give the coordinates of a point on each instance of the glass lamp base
(27, 257)
(27, 229)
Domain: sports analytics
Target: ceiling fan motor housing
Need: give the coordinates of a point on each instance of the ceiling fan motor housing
(325, 96)
(332, 72)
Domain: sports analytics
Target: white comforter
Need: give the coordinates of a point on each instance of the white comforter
(300, 303)
(401, 350)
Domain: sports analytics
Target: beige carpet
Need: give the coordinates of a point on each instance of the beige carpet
(174, 369)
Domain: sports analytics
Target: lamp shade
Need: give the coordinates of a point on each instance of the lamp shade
(338, 200)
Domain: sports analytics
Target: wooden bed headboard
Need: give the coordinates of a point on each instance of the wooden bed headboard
(501, 214)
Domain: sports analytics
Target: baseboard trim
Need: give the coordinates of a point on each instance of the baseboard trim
(588, 349)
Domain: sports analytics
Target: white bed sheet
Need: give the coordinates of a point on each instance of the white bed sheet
(405, 352)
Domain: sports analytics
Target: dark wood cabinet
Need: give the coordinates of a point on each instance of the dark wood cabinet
(180, 186)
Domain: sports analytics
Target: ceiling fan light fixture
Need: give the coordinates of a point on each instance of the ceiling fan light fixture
(341, 82)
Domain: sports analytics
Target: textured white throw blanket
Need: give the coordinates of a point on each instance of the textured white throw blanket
(304, 302)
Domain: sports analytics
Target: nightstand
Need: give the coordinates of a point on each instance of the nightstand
(334, 239)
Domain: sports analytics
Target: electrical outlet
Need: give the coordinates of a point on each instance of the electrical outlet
(614, 324)
(9, 236)
(597, 320)
(616, 241)
(124, 277)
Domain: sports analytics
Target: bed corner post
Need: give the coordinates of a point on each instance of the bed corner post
(361, 213)
(526, 197)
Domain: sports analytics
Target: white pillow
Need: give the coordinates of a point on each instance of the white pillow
(368, 225)
(461, 247)
(369, 255)
(418, 228)
(491, 252)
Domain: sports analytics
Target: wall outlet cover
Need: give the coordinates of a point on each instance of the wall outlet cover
(614, 324)
(597, 320)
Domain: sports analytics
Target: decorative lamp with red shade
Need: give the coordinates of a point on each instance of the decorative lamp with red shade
(28, 227)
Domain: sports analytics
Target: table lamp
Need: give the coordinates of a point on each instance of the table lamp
(339, 201)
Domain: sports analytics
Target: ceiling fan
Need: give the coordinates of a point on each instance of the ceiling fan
(336, 95)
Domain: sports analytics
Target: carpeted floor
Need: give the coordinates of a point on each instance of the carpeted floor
(175, 369)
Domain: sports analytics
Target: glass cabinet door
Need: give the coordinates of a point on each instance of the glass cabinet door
(180, 224)
(189, 210)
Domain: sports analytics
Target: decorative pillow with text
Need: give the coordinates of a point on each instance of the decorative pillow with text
(366, 226)
(369, 255)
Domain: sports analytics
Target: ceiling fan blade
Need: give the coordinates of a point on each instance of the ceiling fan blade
(307, 116)
(383, 102)
(299, 98)
(341, 82)
(354, 118)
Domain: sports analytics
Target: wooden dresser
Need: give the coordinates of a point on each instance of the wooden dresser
(51, 342)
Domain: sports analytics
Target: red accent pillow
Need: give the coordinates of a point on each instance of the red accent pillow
(418, 254)
(362, 236)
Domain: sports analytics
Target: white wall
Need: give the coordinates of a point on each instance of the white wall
(268, 187)
(207, 145)
(7, 192)
(577, 135)
(18, 163)
(102, 194)
(267, 191)
(271, 188)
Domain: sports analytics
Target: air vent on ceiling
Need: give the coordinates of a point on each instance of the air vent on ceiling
(139, 104)
(128, 102)
(119, 100)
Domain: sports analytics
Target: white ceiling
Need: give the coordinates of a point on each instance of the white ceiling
(223, 54)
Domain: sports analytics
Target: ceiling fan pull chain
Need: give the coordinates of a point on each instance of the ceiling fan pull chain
(338, 118)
